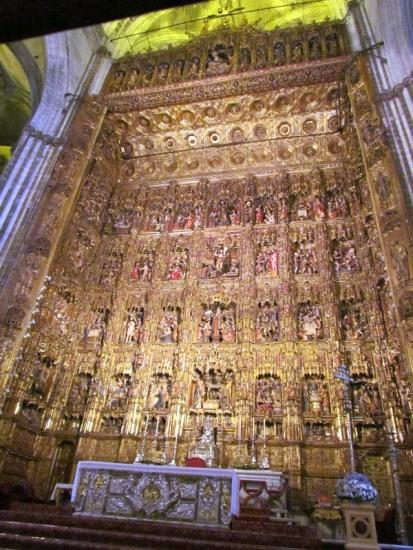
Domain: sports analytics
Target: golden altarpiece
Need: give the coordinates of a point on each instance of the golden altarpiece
(224, 228)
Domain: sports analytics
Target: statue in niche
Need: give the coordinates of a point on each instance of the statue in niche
(159, 392)
(406, 397)
(119, 391)
(168, 326)
(96, 331)
(248, 211)
(314, 48)
(261, 58)
(245, 59)
(315, 397)
(218, 60)
(132, 79)
(163, 70)
(134, 326)
(267, 323)
(178, 68)
(142, 268)
(279, 53)
(80, 390)
(117, 81)
(178, 265)
(284, 210)
(217, 323)
(332, 45)
(400, 261)
(148, 73)
(366, 399)
(225, 261)
(344, 257)
(383, 187)
(352, 320)
(309, 322)
(41, 375)
(198, 394)
(268, 394)
(194, 66)
(297, 53)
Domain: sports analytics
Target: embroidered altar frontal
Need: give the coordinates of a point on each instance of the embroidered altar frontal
(207, 496)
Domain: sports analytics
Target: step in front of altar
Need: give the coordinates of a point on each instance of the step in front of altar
(63, 530)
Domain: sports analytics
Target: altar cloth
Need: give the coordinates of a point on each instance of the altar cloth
(165, 493)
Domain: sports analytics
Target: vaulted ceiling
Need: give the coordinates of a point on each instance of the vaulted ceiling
(175, 26)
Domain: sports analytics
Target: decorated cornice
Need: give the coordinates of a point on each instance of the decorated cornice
(223, 86)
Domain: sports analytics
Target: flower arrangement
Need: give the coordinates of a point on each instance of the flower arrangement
(356, 487)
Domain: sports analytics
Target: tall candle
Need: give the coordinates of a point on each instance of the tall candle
(239, 427)
(265, 422)
(157, 426)
(253, 427)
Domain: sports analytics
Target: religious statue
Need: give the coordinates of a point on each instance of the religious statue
(224, 261)
(168, 327)
(309, 323)
(134, 326)
(142, 268)
(159, 393)
(119, 391)
(304, 259)
(268, 394)
(198, 392)
(353, 322)
(400, 261)
(267, 324)
(178, 265)
(217, 324)
(205, 446)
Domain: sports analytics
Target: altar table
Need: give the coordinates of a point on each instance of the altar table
(166, 493)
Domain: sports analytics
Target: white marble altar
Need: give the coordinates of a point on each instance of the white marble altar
(167, 493)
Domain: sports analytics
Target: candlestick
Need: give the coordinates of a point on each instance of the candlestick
(265, 423)
(253, 427)
(157, 427)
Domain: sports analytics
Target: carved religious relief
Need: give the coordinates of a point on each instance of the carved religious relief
(337, 204)
(353, 320)
(268, 394)
(304, 255)
(79, 392)
(344, 254)
(133, 328)
(366, 398)
(111, 268)
(267, 259)
(95, 331)
(42, 372)
(220, 258)
(159, 391)
(309, 321)
(217, 323)
(168, 325)
(316, 399)
(225, 207)
(178, 263)
(266, 204)
(143, 265)
(119, 391)
(400, 260)
(267, 321)
(212, 389)
(189, 212)
(219, 59)
(158, 214)
(122, 215)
